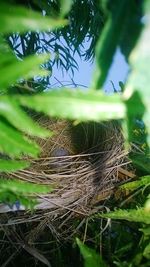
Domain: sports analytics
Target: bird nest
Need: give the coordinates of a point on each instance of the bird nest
(83, 163)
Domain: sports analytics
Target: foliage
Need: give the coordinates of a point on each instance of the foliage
(91, 259)
(138, 61)
(12, 165)
(75, 104)
(19, 19)
(111, 33)
(85, 21)
(108, 24)
(20, 193)
(17, 69)
(142, 181)
(138, 215)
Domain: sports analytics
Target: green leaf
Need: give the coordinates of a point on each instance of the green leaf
(9, 109)
(76, 104)
(6, 54)
(91, 258)
(142, 181)
(108, 42)
(14, 18)
(12, 165)
(146, 252)
(139, 79)
(20, 187)
(133, 215)
(147, 6)
(142, 161)
(16, 69)
(16, 193)
(65, 6)
(147, 203)
(14, 143)
(134, 114)
(145, 231)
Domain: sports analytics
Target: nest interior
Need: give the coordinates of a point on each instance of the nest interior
(82, 163)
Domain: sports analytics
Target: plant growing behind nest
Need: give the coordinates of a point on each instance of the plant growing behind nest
(81, 163)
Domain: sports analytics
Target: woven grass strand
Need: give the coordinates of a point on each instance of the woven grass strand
(81, 164)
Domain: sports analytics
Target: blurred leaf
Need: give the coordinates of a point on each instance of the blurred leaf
(132, 132)
(6, 54)
(14, 143)
(17, 193)
(147, 204)
(138, 136)
(65, 6)
(14, 18)
(138, 215)
(142, 161)
(76, 104)
(142, 181)
(20, 187)
(131, 28)
(9, 109)
(139, 80)
(146, 252)
(12, 165)
(108, 42)
(145, 231)
(21, 69)
(135, 107)
(91, 258)
(85, 18)
(10, 201)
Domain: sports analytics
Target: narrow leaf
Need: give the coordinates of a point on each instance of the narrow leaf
(65, 6)
(91, 258)
(18, 194)
(146, 252)
(14, 18)
(142, 181)
(16, 69)
(108, 42)
(145, 231)
(138, 215)
(14, 144)
(20, 187)
(142, 161)
(139, 79)
(12, 165)
(6, 54)
(76, 104)
(9, 108)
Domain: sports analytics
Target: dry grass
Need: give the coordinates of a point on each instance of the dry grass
(82, 163)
